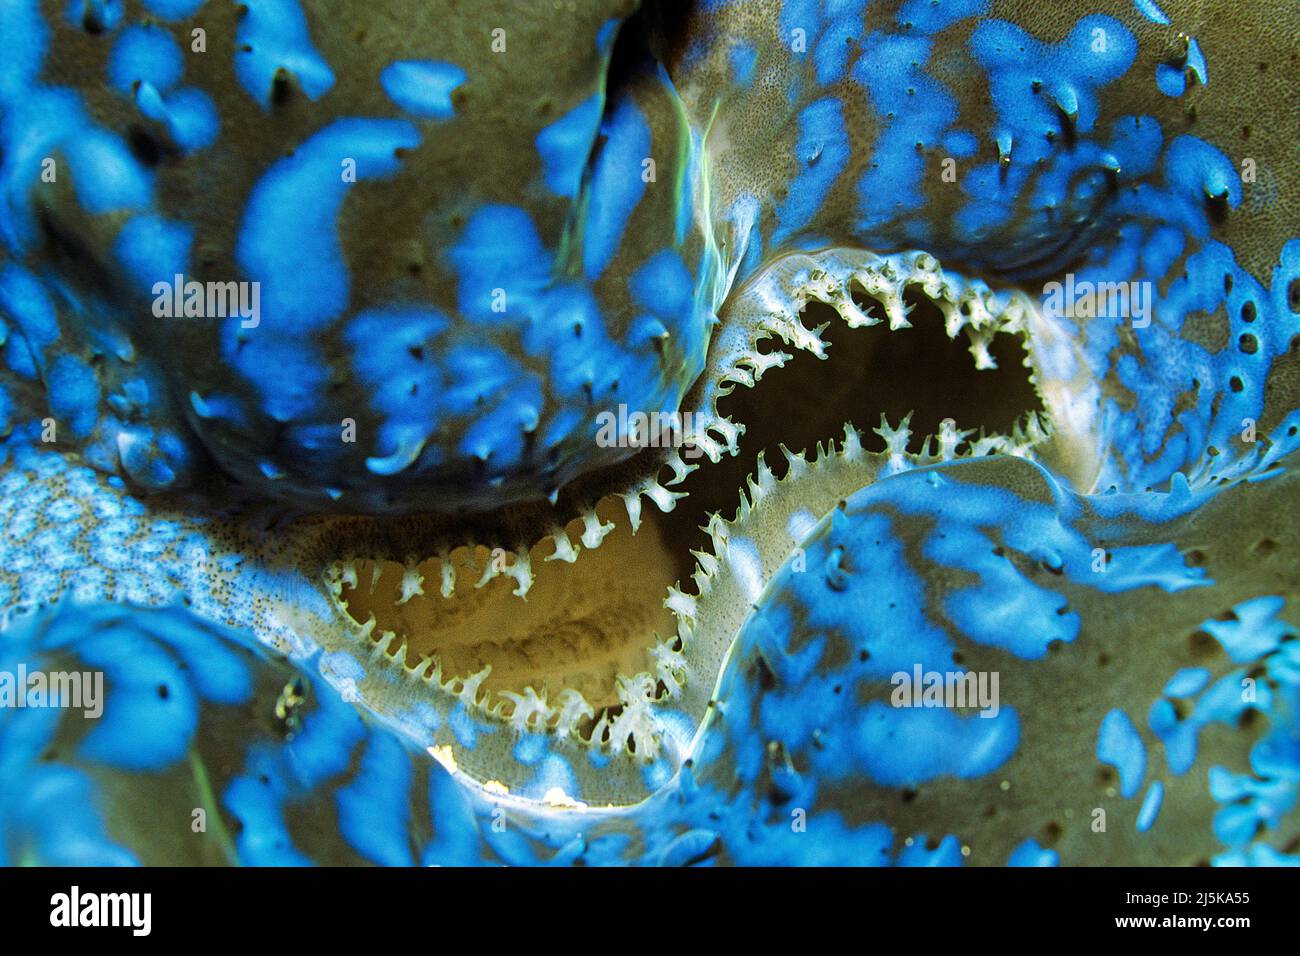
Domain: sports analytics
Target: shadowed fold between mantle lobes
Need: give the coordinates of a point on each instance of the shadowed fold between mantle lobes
(742, 432)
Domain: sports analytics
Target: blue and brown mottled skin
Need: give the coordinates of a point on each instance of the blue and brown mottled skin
(462, 266)
(278, 763)
(800, 152)
(914, 569)
(1068, 157)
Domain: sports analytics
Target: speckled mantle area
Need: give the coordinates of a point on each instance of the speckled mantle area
(578, 433)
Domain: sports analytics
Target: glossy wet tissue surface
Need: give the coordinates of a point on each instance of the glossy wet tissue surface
(717, 432)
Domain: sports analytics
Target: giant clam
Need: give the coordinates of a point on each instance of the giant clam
(398, 416)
